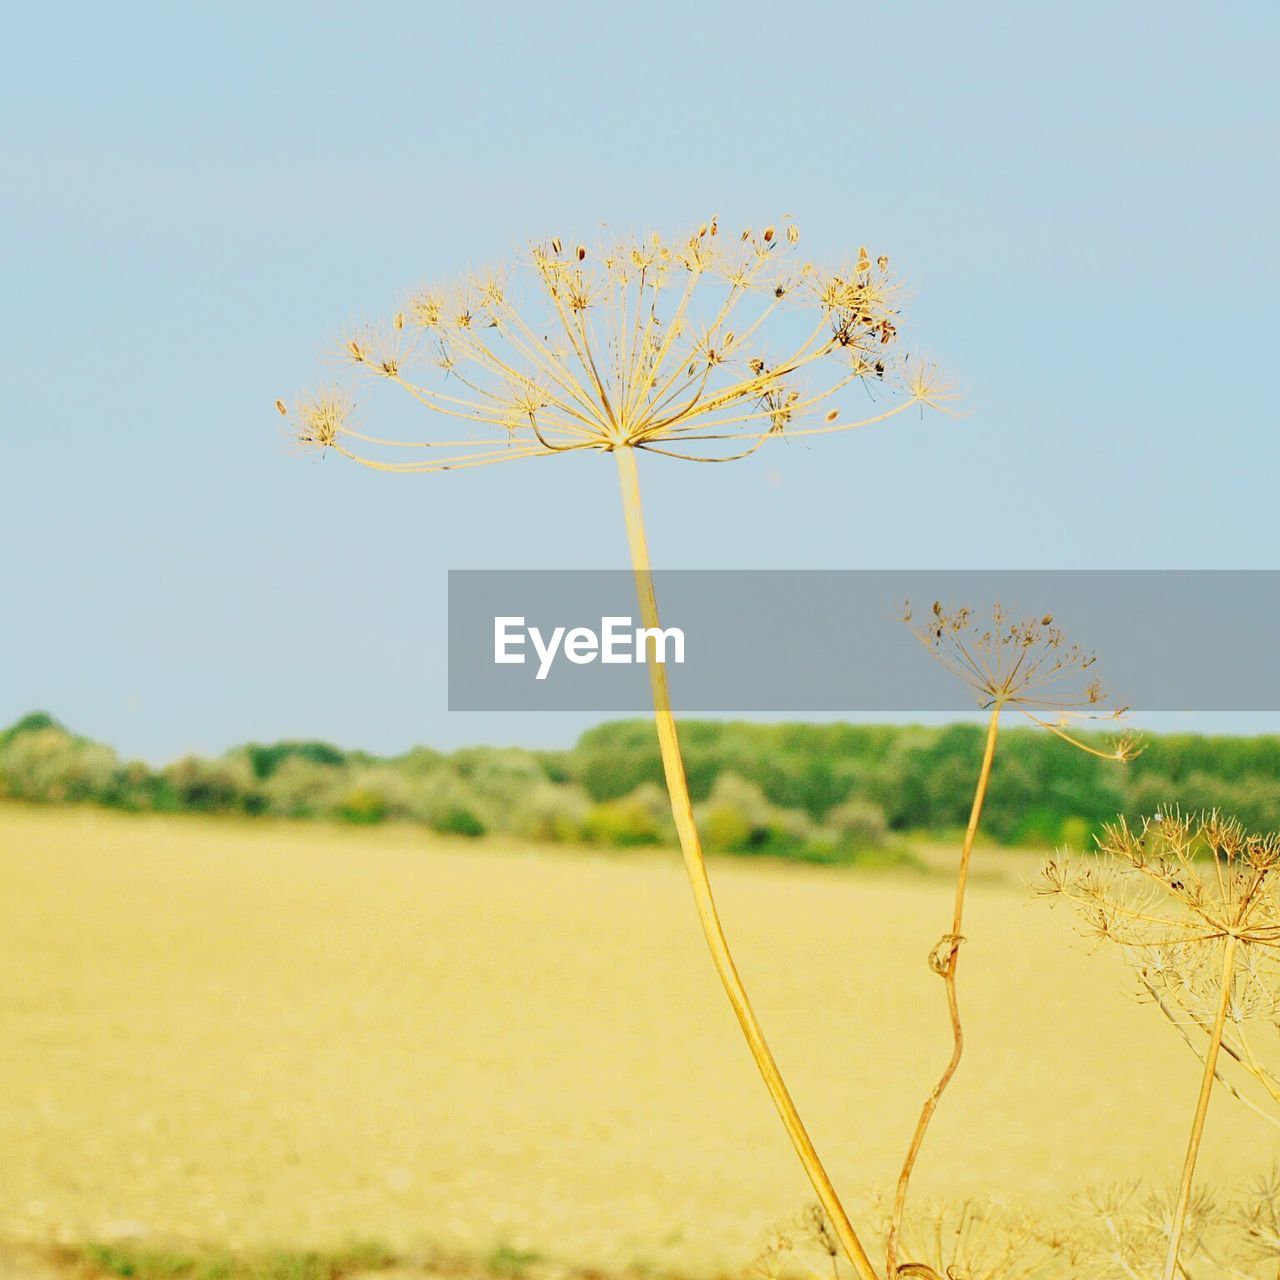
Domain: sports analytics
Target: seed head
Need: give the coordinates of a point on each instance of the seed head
(1192, 903)
(691, 348)
(319, 422)
(1024, 664)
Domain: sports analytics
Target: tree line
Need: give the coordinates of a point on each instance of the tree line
(823, 792)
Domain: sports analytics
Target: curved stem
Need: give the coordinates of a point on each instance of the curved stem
(943, 960)
(1202, 1108)
(682, 811)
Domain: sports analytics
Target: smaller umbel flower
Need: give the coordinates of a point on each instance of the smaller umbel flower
(981, 1239)
(1124, 1233)
(1192, 901)
(1025, 664)
(1255, 1221)
(1170, 894)
(805, 1244)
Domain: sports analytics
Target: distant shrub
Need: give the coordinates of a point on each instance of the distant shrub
(419, 761)
(362, 804)
(266, 760)
(458, 822)
(438, 798)
(211, 786)
(45, 763)
(135, 788)
(859, 824)
(628, 822)
(30, 723)
(737, 818)
(301, 787)
(376, 794)
(502, 777)
(550, 812)
(724, 828)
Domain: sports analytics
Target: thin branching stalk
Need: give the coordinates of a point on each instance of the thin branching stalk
(695, 864)
(1171, 1268)
(1027, 666)
(944, 960)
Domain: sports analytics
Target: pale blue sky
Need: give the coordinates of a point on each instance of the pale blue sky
(1083, 200)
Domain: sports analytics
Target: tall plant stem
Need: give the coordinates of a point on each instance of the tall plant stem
(682, 811)
(944, 960)
(1171, 1269)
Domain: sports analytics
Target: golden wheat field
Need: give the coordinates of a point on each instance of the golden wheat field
(261, 1034)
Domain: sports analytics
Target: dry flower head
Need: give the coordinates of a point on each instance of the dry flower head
(1118, 1232)
(1254, 1220)
(1122, 1233)
(1026, 664)
(1170, 894)
(701, 348)
(979, 1238)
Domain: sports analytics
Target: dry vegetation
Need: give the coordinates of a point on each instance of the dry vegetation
(264, 1034)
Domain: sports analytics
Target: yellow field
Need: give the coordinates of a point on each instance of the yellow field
(253, 1034)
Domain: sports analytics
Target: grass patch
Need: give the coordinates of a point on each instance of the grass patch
(136, 1262)
(509, 1262)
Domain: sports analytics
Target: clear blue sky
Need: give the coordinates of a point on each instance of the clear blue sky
(1083, 199)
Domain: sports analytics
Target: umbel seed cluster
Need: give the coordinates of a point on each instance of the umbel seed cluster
(700, 349)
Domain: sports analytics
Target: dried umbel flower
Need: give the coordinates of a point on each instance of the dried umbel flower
(1123, 1233)
(1026, 664)
(1193, 903)
(981, 1239)
(1255, 1219)
(1119, 1232)
(703, 349)
(807, 1242)
(1029, 666)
